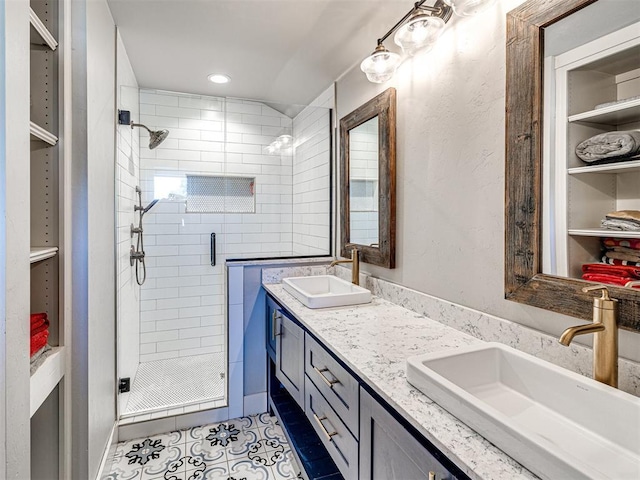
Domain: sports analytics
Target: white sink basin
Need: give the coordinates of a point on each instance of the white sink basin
(323, 291)
(558, 424)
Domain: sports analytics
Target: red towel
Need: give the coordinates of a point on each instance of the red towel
(608, 279)
(41, 328)
(38, 341)
(621, 242)
(38, 320)
(618, 270)
(38, 317)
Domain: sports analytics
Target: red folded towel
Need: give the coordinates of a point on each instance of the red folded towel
(38, 321)
(37, 317)
(621, 242)
(38, 341)
(618, 270)
(608, 279)
(41, 328)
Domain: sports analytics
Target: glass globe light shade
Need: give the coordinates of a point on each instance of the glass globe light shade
(380, 65)
(421, 32)
(285, 141)
(466, 8)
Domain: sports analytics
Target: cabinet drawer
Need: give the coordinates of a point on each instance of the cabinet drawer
(337, 386)
(341, 445)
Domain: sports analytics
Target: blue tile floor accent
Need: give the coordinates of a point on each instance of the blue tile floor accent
(248, 448)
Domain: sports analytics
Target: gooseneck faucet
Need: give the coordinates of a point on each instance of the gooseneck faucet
(605, 340)
(355, 265)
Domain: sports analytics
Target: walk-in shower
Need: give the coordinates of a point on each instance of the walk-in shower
(214, 177)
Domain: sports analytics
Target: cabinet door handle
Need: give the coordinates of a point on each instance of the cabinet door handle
(432, 476)
(274, 325)
(330, 383)
(322, 427)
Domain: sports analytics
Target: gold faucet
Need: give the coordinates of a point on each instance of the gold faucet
(605, 340)
(355, 261)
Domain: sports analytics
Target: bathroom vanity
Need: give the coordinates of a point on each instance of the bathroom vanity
(343, 371)
(362, 434)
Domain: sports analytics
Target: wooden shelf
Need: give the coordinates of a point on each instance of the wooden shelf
(601, 232)
(42, 134)
(45, 379)
(39, 254)
(617, 114)
(42, 30)
(618, 167)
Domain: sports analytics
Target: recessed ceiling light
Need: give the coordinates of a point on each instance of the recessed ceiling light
(219, 78)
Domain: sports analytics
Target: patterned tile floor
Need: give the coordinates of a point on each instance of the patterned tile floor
(247, 448)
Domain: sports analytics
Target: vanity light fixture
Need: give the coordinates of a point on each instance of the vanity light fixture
(219, 78)
(418, 30)
(280, 145)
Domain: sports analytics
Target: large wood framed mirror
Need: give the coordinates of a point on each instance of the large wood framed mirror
(526, 280)
(368, 180)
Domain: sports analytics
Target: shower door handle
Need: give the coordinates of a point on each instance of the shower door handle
(213, 249)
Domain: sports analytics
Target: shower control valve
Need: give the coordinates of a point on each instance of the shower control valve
(135, 230)
(135, 255)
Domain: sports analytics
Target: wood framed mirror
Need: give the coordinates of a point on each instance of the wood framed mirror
(368, 181)
(524, 280)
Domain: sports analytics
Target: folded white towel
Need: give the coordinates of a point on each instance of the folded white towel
(621, 145)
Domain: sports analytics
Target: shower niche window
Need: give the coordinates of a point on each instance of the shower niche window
(218, 194)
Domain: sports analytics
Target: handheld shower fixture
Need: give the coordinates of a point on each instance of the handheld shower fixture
(156, 137)
(136, 256)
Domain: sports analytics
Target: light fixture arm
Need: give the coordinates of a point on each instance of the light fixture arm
(439, 9)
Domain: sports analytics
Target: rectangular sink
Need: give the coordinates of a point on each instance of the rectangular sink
(557, 423)
(323, 291)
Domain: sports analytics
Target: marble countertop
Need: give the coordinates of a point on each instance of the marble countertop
(374, 340)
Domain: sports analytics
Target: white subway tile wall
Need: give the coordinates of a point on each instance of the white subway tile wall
(312, 177)
(183, 301)
(363, 173)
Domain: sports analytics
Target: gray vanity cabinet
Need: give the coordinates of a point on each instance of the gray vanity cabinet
(289, 355)
(388, 450)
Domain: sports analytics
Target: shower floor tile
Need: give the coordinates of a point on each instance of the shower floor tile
(176, 382)
(248, 447)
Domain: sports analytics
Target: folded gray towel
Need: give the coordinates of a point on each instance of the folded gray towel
(620, 145)
(624, 225)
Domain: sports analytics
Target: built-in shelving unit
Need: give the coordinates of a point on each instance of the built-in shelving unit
(605, 72)
(48, 395)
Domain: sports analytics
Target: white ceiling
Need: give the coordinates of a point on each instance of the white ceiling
(278, 51)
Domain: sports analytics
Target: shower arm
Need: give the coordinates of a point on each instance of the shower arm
(140, 125)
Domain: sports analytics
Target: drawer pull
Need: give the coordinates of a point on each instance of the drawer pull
(330, 383)
(432, 476)
(327, 433)
(274, 325)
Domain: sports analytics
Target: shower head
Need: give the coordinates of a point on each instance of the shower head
(150, 206)
(156, 137)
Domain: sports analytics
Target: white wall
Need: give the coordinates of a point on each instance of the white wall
(450, 171)
(182, 302)
(311, 176)
(101, 58)
(127, 177)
